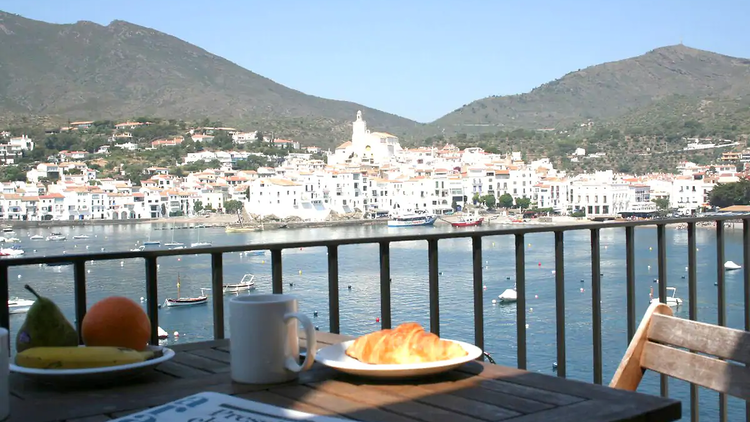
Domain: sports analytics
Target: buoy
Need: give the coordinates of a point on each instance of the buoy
(650, 248)
(682, 277)
(554, 365)
(605, 246)
(122, 263)
(75, 246)
(686, 268)
(531, 309)
(300, 272)
(440, 273)
(179, 259)
(527, 325)
(141, 298)
(377, 319)
(300, 248)
(484, 287)
(350, 287)
(581, 289)
(262, 262)
(536, 296)
(601, 274)
(176, 334)
(529, 244)
(315, 313)
(102, 249)
(19, 275)
(554, 272)
(507, 278)
(291, 284)
(317, 328)
(582, 281)
(649, 267)
(697, 249)
(88, 271)
(493, 243)
(40, 265)
(494, 301)
(87, 246)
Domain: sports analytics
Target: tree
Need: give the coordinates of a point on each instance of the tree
(163, 210)
(232, 206)
(475, 199)
(726, 194)
(662, 204)
(523, 203)
(198, 206)
(489, 201)
(505, 201)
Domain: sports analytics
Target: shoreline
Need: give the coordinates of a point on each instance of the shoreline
(229, 223)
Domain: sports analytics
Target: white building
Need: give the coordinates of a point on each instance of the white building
(365, 146)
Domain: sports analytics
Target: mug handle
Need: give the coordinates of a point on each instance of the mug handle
(312, 344)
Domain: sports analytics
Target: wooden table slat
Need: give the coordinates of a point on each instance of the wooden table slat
(274, 399)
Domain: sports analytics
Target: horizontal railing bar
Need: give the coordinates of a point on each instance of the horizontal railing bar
(103, 256)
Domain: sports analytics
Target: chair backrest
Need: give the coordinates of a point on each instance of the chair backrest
(659, 345)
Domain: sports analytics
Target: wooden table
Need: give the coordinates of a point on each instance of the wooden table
(477, 391)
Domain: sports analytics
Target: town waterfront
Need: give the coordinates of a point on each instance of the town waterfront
(305, 275)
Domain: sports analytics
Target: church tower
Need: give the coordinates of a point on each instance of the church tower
(359, 132)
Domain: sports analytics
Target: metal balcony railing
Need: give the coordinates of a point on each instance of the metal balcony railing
(150, 256)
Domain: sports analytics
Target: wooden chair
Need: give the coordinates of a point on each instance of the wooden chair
(658, 345)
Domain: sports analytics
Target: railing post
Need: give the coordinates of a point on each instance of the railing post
(661, 239)
(333, 289)
(4, 296)
(217, 285)
(276, 274)
(746, 279)
(385, 285)
(521, 300)
(476, 254)
(630, 279)
(693, 308)
(432, 253)
(560, 302)
(596, 304)
(721, 300)
(152, 297)
(79, 289)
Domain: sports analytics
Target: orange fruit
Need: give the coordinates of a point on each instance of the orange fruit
(116, 321)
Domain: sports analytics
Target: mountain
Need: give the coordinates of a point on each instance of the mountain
(665, 78)
(88, 71)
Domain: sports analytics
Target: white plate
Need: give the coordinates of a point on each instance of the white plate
(95, 375)
(335, 356)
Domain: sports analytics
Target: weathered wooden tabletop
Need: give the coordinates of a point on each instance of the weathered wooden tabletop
(476, 391)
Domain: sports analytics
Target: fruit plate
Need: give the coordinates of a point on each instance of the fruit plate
(335, 357)
(101, 375)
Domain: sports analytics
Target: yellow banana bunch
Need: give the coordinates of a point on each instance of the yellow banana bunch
(79, 357)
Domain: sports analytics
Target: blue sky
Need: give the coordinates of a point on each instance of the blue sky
(421, 58)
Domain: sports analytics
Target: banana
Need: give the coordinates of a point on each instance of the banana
(79, 357)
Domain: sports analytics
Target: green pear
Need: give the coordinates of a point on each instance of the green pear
(45, 326)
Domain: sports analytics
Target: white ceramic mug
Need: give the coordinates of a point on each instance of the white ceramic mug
(4, 375)
(263, 339)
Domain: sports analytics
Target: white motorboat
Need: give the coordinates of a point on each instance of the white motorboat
(412, 219)
(162, 334)
(11, 240)
(11, 252)
(81, 236)
(731, 265)
(36, 237)
(199, 244)
(672, 299)
(19, 306)
(247, 283)
(509, 295)
(54, 237)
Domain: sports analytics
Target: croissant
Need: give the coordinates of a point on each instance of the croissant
(407, 343)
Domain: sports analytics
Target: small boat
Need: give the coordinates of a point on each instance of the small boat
(410, 219)
(244, 285)
(509, 295)
(173, 244)
(672, 300)
(58, 264)
(185, 301)
(12, 239)
(19, 306)
(468, 221)
(81, 236)
(730, 265)
(55, 237)
(162, 334)
(151, 243)
(138, 249)
(199, 244)
(11, 252)
(255, 253)
(36, 237)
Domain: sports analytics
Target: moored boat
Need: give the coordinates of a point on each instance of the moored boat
(81, 236)
(468, 221)
(411, 219)
(731, 265)
(19, 306)
(509, 295)
(56, 237)
(185, 301)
